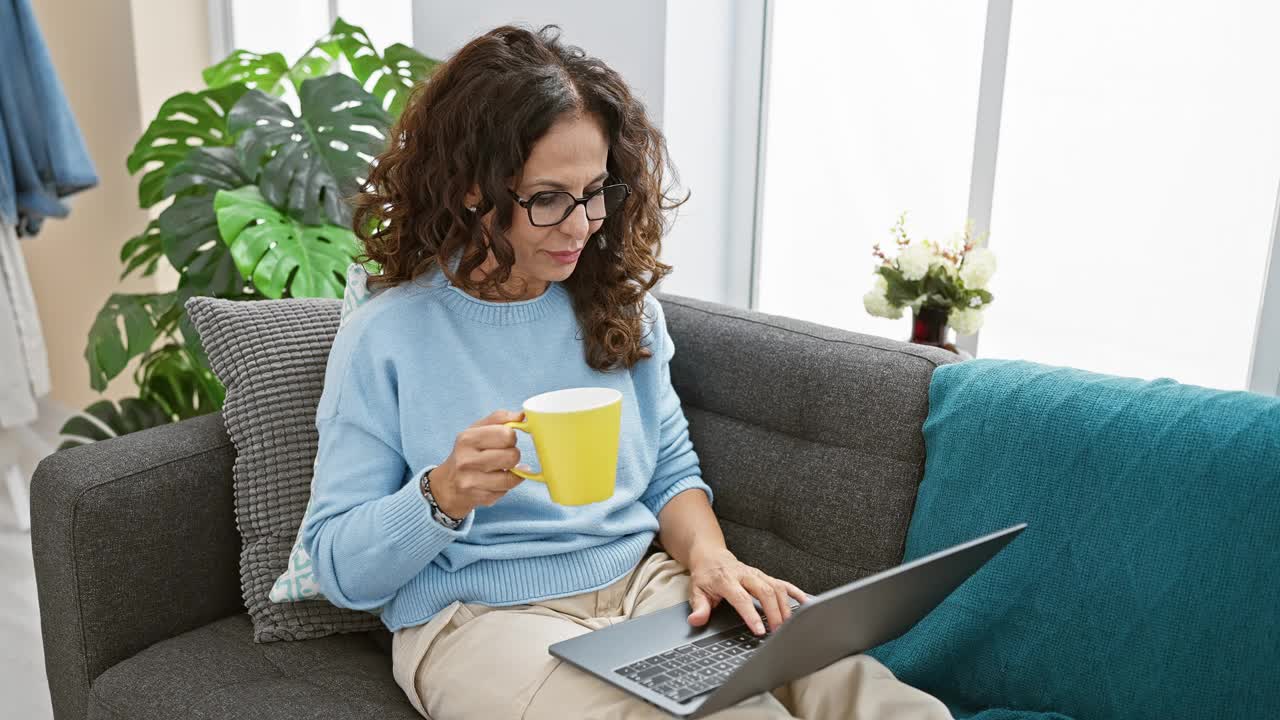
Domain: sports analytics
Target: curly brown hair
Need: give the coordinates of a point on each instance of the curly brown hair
(473, 125)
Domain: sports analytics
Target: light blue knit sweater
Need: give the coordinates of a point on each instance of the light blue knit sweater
(411, 369)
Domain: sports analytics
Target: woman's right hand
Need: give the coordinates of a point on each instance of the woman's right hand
(477, 471)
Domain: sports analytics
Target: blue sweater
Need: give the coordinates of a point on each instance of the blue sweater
(412, 368)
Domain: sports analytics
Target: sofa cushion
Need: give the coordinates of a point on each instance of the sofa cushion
(271, 356)
(1146, 583)
(217, 671)
(809, 436)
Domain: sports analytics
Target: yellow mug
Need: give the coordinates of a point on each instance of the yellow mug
(576, 434)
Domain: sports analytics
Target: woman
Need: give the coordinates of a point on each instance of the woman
(517, 218)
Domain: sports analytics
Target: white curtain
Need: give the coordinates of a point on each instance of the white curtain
(25, 412)
(24, 364)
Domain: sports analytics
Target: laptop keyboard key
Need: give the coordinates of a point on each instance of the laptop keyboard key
(656, 680)
(684, 693)
(651, 671)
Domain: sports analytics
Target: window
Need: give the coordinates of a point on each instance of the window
(871, 112)
(1135, 182)
(290, 26)
(1135, 187)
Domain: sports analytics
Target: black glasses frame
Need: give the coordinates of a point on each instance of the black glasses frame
(527, 204)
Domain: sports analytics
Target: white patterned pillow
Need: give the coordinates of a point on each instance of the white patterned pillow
(298, 582)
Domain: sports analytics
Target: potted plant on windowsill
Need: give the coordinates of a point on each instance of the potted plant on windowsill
(256, 169)
(944, 284)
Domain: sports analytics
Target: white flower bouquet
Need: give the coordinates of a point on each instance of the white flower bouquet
(939, 279)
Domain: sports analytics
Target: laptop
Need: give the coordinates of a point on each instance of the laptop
(693, 672)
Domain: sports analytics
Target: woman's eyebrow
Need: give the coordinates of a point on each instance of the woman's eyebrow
(561, 186)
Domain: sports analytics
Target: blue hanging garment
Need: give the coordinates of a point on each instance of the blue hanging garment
(42, 155)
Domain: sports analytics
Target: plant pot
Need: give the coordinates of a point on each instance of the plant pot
(929, 327)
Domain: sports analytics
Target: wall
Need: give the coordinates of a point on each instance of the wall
(698, 53)
(74, 263)
(171, 47)
(628, 36)
(117, 60)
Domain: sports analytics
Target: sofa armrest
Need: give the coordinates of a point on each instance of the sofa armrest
(134, 541)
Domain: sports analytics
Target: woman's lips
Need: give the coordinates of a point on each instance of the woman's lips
(565, 258)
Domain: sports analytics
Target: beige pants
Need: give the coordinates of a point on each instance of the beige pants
(475, 661)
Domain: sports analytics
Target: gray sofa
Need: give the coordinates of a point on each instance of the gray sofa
(809, 436)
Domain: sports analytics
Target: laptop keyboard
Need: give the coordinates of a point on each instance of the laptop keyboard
(690, 670)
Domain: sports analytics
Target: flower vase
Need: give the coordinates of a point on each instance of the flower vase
(929, 327)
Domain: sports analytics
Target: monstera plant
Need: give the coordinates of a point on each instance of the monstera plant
(256, 170)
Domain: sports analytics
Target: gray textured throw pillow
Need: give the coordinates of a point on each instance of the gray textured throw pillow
(271, 356)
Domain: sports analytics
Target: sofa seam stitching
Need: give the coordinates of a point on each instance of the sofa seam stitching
(801, 438)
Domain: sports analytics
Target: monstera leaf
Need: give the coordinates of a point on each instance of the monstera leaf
(194, 247)
(173, 379)
(281, 256)
(206, 170)
(254, 71)
(405, 68)
(104, 420)
(320, 60)
(259, 194)
(143, 317)
(310, 164)
(185, 120)
(390, 76)
(189, 228)
(143, 251)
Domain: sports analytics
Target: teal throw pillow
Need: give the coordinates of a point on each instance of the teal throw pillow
(1147, 584)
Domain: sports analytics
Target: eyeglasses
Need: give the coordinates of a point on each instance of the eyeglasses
(551, 207)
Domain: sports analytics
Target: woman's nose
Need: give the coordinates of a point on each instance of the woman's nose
(576, 226)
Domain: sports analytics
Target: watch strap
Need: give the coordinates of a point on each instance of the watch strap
(437, 514)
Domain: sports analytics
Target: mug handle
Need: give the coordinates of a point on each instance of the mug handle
(523, 427)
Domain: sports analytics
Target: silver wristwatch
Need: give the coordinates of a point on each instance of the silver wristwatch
(436, 513)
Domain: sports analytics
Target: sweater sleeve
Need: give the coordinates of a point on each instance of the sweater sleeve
(677, 467)
(370, 529)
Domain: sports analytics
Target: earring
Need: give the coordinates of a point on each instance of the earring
(471, 209)
(601, 242)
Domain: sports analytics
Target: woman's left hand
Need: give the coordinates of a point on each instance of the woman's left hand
(718, 575)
